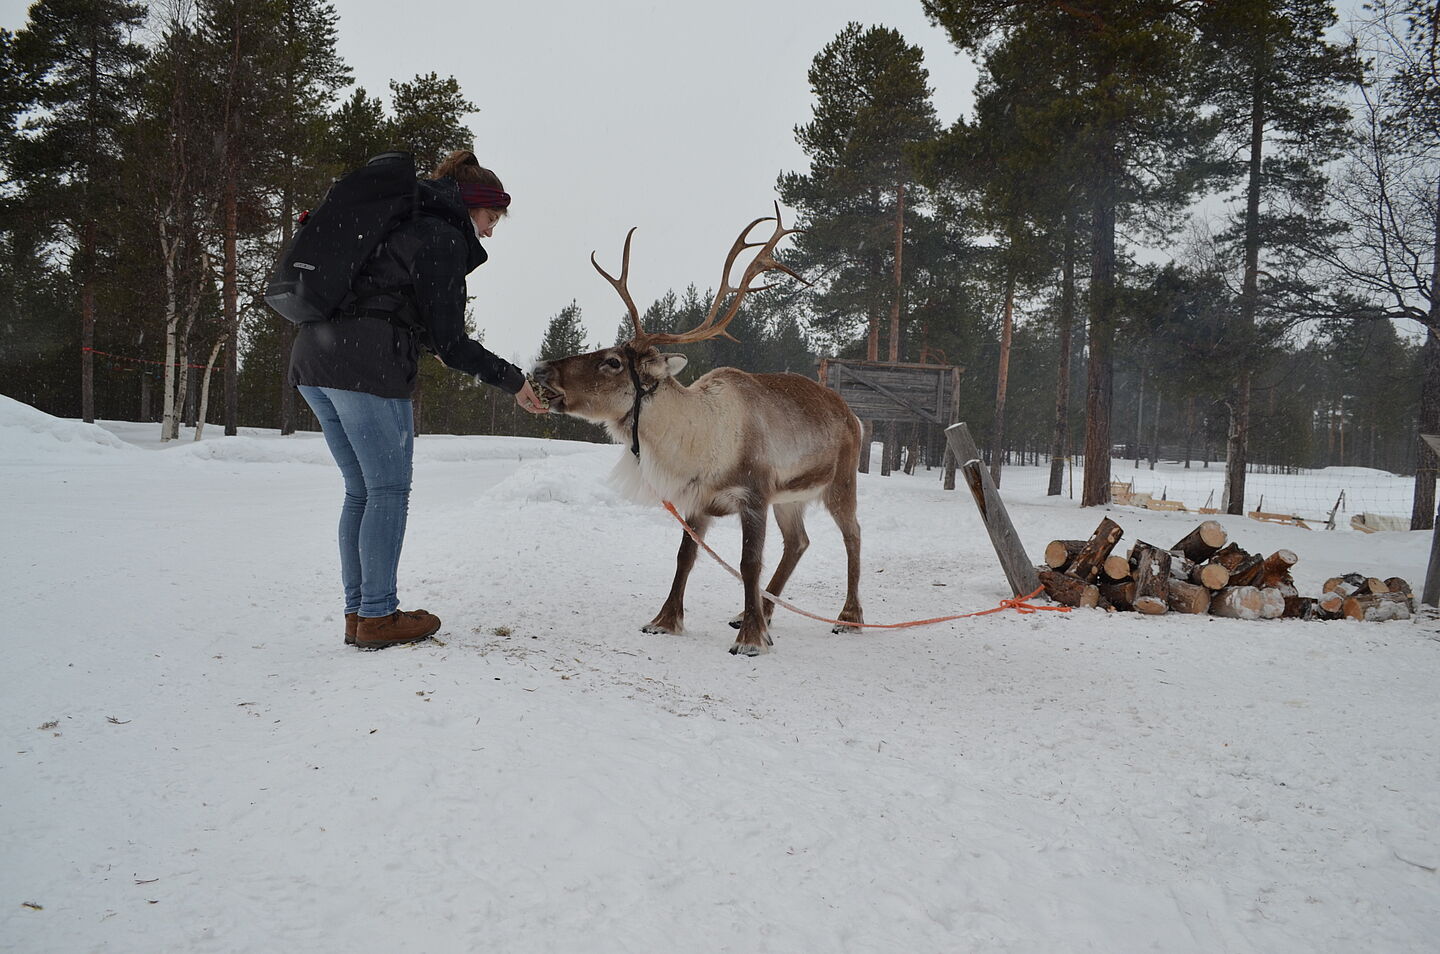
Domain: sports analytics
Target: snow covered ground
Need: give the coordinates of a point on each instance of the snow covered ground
(194, 762)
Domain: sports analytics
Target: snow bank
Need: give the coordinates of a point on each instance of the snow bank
(579, 480)
(252, 450)
(28, 434)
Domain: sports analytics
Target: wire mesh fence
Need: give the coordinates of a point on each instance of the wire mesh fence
(1317, 496)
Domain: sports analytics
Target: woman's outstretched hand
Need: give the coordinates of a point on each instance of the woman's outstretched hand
(527, 399)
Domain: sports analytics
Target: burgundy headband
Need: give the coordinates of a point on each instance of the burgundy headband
(477, 196)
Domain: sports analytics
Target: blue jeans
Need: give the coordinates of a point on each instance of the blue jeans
(373, 440)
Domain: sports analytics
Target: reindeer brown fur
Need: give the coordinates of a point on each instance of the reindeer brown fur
(732, 442)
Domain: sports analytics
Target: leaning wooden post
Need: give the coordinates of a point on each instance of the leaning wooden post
(1019, 571)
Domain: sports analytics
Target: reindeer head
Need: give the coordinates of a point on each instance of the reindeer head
(601, 386)
(606, 386)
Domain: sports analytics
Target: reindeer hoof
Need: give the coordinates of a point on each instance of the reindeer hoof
(735, 623)
(658, 628)
(845, 628)
(748, 649)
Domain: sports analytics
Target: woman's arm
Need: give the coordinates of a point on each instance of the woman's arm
(438, 271)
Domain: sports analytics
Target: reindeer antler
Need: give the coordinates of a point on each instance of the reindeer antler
(619, 283)
(764, 261)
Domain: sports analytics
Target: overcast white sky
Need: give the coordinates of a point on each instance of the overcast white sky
(598, 115)
(674, 116)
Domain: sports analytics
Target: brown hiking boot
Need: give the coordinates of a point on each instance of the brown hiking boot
(352, 622)
(398, 627)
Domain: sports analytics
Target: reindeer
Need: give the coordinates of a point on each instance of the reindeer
(732, 442)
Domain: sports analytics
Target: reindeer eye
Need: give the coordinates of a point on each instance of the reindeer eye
(612, 363)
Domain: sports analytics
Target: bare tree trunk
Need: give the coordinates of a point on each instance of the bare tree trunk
(1139, 418)
(205, 389)
(1189, 429)
(1422, 510)
(1060, 444)
(146, 391)
(1002, 381)
(1237, 439)
(1422, 513)
(187, 387)
(170, 247)
(1155, 430)
(230, 295)
(872, 343)
(170, 421)
(1237, 455)
(287, 390)
(899, 253)
(287, 332)
(87, 326)
(1100, 372)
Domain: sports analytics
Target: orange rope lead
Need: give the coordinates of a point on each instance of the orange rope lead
(1020, 604)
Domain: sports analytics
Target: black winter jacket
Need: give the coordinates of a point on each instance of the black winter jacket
(417, 276)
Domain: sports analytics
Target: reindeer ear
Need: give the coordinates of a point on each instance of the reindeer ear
(675, 363)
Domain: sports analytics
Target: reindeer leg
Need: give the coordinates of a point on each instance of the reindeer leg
(671, 618)
(791, 518)
(754, 637)
(840, 501)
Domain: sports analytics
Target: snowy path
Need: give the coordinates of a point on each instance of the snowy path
(549, 779)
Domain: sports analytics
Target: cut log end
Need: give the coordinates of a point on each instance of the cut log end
(1212, 576)
(1059, 553)
(1150, 605)
(1202, 542)
(1115, 568)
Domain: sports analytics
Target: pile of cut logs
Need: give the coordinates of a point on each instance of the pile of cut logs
(1203, 573)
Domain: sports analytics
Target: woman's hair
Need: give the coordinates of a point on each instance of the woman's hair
(462, 166)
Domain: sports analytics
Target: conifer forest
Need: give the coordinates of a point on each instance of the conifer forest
(155, 157)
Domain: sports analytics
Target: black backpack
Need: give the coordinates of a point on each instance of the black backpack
(312, 278)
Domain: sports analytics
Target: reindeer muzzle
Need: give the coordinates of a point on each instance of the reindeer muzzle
(550, 396)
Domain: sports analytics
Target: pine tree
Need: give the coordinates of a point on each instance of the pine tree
(1021, 157)
(81, 54)
(1013, 169)
(17, 94)
(310, 72)
(1135, 132)
(564, 335)
(1276, 83)
(428, 112)
(872, 102)
(358, 130)
(243, 49)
